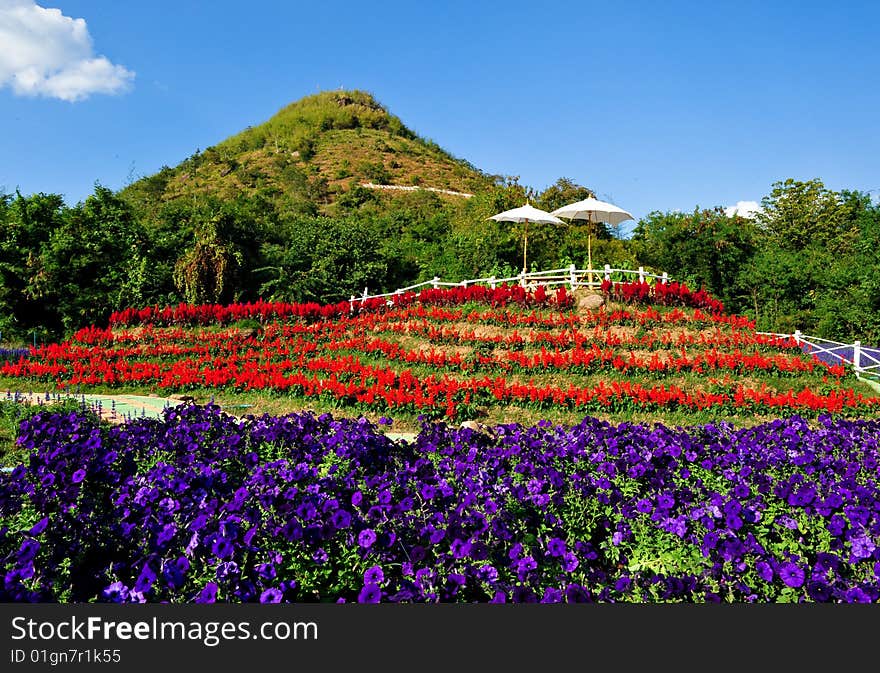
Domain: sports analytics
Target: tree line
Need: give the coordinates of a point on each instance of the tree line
(808, 260)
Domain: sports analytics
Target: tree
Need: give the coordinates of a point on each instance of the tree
(797, 215)
(561, 193)
(83, 269)
(848, 306)
(203, 272)
(324, 260)
(26, 223)
(705, 248)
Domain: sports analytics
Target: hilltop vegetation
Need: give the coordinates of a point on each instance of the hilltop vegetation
(307, 156)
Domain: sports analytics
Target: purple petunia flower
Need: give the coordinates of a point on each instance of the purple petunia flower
(818, 591)
(366, 538)
(623, 584)
(208, 594)
(459, 548)
(374, 575)
(370, 593)
(115, 593)
(552, 595)
(145, 579)
(765, 571)
(569, 562)
(791, 575)
(78, 476)
(556, 547)
(166, 534)
(836, 525)
(515, 551)
(665, 501)
(222, 548)
(271, 595)
(487, 573)
(862, 547)
(341, 518)
(39, 527)
(28, 551)
(856, 595)
(175, 572)
(575, 593)
(523, 594)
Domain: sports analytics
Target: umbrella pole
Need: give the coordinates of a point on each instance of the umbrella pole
(525, 248)
(590, 253)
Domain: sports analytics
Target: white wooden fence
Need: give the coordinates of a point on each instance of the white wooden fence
(571, 276)
(863, 360)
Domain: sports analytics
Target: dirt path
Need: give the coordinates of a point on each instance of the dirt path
(113, 408)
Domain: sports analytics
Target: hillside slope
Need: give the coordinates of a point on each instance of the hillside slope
(313, 150)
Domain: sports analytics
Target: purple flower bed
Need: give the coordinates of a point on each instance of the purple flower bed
(200, 506)
(13, 354)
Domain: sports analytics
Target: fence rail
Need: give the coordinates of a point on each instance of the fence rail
(571, 276)
(862, 359)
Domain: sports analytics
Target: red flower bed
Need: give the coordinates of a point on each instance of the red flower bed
(216, 314)
(665, 294)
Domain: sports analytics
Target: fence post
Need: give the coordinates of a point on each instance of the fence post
(857, 356)
(492, 282)
(641, 274)
(665, 278)
(607, 272)
(351, 304)
(797, 337)
(366, 294)
(463, 283)
(436, 282)
(522, 278)
(571, 277)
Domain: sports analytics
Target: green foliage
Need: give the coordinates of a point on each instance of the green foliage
(26, 224)
(705, 248)
(202, 273)
(560, 193)
(799, 215)
(814, 268)
(85, 265)
(324, 260)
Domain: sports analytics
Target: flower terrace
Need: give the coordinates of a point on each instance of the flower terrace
(576, 488)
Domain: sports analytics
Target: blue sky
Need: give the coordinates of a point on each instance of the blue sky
(654, 106)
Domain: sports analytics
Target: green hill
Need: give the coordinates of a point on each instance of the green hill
(311, 152)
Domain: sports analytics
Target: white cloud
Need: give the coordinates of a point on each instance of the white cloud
(48, 54)
(743, 208)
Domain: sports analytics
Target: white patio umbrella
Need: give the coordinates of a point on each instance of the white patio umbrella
(592, 210)
(526, 214)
